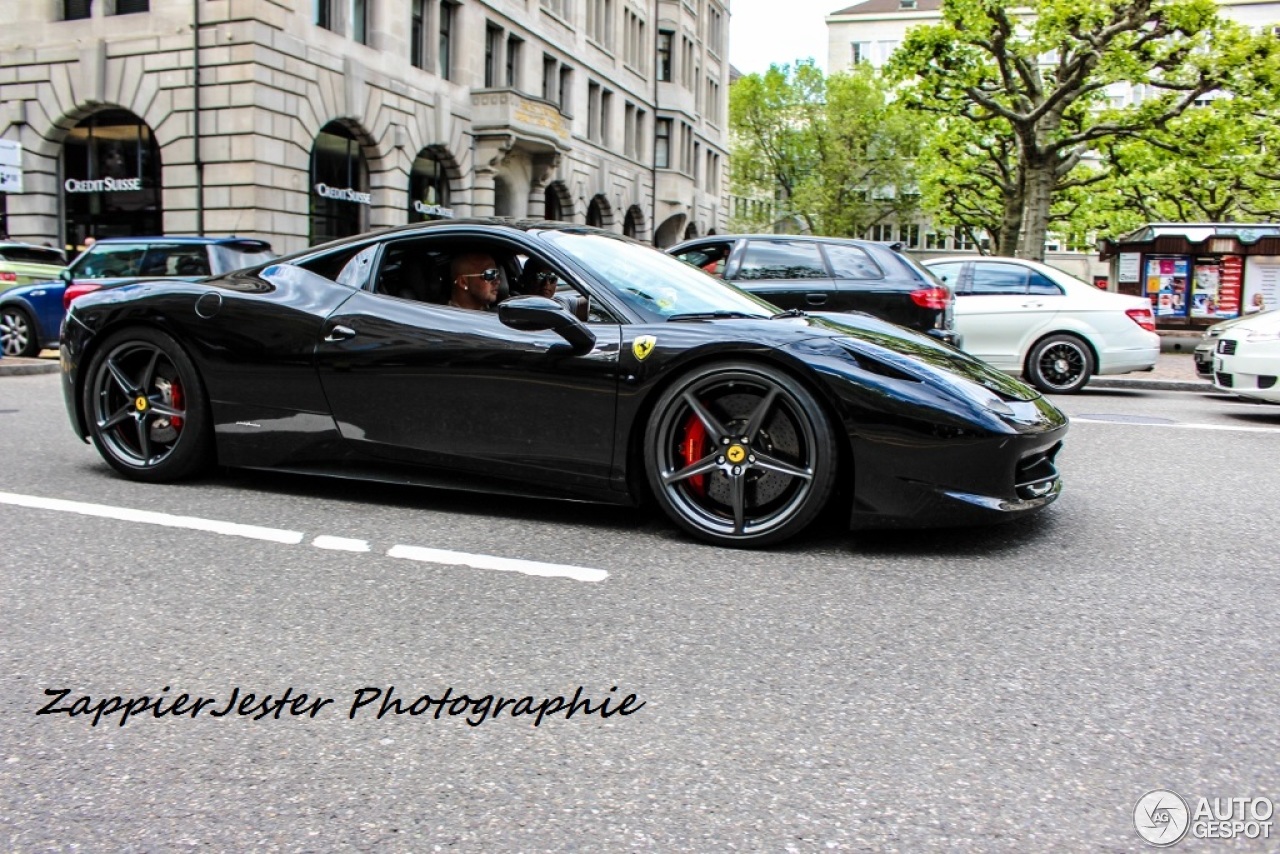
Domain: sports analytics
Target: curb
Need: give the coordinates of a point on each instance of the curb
(1202, 386)
(16, 366)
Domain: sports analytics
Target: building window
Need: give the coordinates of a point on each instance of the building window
(129, 7)
(417, 31)
(629, 129)
(859, 52)
(446, 40)
(360, 21)
(324, 14)
(688, 75)
(593, 111)
(428, 188)
(559, 8)
(662, 144)
(514, 43)
(911, 236)
(606, 109)
(636, 48)
(492, 47)
(76, 10)
(600, 22)
(664, 55)
(549, 66)
(713, 101)
(715, 29)
(566, 90)
(640, 135)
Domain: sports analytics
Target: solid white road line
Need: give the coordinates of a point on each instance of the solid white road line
(1224, 427)
(528, 567)
(147, 517)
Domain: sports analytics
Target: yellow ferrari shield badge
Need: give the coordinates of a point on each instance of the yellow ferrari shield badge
(736, 454)
(140, 404)
(643, 346)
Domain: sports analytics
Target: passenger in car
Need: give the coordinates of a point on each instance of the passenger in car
(537, 279)
(476, 279)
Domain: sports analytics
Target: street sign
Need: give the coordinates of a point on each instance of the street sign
(10, 166)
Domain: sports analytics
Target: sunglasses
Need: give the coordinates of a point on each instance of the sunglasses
(489, 275)
(544, 277)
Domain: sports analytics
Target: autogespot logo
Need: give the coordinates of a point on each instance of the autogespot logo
(1161, 817)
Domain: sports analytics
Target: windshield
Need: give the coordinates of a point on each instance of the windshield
(654, 283)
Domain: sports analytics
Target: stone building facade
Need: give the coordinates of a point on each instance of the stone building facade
(296, 121)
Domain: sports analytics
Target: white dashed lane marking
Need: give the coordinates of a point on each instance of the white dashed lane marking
(293, 538)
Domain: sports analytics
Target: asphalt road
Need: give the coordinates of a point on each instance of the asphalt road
(1016, 688)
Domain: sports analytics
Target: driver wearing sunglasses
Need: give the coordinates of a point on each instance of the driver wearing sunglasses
(475, 281)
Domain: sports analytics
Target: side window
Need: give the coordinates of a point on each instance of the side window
(175, 260)
(851, 262)
(781, 259)
(1042, 285)
(331, 264)
(114, 260)
(710, 257)
(355, 273)
(994, 279)
(949, 273)
(411, 270)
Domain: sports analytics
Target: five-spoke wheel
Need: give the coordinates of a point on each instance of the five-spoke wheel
(740, 454)
(145, 409)
(1060, 364)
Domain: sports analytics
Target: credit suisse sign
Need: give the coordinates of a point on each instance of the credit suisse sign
(343, 194)
(103, 185)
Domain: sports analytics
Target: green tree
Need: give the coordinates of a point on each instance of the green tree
(1035, 82)
(837, 153)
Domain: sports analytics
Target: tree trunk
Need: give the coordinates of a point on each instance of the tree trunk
(1038, 183)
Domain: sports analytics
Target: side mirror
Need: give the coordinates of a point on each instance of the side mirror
(65, 275)
(534, 314)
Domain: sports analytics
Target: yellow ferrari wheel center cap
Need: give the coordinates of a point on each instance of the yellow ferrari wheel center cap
(140, 404)
(736, 454)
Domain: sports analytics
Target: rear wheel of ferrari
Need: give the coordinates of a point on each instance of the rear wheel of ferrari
(18, 333)
(740, 454)
(144, 404)
(1060, 364)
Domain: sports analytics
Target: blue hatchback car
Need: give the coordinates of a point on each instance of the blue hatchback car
(30, 316)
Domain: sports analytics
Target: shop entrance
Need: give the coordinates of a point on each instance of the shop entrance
(110, 180)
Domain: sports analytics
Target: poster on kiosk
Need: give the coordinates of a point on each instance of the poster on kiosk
(1216, 287)
(1167, 286)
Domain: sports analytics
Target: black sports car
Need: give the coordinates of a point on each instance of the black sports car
(554, 359)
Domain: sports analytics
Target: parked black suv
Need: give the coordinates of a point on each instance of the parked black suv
(828, 274)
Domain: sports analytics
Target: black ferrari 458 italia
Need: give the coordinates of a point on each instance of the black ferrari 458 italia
(554, 359)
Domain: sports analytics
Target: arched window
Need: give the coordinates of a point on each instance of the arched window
(111, 178)
(551, 206)
(428, 188)
(340, 197)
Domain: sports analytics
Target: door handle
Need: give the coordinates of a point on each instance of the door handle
(1035, 304)
(815, 299)
(340, 333)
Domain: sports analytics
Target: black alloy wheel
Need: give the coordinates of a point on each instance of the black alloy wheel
(18, 333)
(1060, 364)
(740, 454)
(145, 407)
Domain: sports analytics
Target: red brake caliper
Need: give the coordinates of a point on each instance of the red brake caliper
(693, 447)
(175, 392)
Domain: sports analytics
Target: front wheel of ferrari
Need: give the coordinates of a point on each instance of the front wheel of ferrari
(740, 454)
(145, 407)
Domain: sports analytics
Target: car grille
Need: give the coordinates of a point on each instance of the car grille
(1227, 347)
(1037, 474)
(1225, 380)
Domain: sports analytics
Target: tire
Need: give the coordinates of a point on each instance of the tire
(145, 407)
(740, 454)
(18, 333)
(1060, 364)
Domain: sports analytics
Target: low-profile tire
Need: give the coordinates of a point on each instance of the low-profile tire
(145, 407)
(1060, 364)
(740, 454)
(19, 335)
